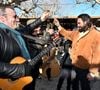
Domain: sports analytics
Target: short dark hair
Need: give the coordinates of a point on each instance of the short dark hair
(86, 18)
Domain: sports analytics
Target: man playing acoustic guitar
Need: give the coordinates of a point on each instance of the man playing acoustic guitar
(12, 45)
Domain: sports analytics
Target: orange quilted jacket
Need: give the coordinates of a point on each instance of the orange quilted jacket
(85, 52)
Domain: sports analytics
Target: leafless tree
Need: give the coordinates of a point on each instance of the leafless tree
(52, 5)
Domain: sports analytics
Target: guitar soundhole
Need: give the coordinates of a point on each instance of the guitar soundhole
(0, 88)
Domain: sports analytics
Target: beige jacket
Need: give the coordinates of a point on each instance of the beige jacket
(85, 52)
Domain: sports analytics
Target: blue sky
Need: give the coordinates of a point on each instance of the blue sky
(70, 8)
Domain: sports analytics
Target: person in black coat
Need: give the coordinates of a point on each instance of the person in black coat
(12, 44)
(66, 65)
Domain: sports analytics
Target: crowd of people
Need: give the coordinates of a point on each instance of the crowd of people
(29, 41)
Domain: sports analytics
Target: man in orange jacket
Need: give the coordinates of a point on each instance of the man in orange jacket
(85, 52)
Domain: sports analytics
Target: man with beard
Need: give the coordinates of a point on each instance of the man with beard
(84, 52)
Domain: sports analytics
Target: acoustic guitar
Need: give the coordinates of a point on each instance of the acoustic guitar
(50, 63)
(8, 84)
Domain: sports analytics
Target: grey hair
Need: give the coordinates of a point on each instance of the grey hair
(3, 7)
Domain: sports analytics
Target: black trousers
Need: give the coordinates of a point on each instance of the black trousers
(31, 86)
(35, 74)
(65, 74)
(81, 82)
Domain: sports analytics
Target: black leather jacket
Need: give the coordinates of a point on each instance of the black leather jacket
(28, 29)
(66, 61)
(15, 71)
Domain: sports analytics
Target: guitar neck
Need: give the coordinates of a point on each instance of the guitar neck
(42, 53)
